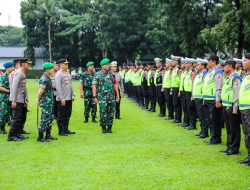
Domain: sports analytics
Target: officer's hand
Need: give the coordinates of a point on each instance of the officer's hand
(218, 104)
(63, 103)
(162, 90)
(13, 105)
(117, 99)
(179, 94)
(96, 100)
(73, 98)
(171, 93)
(235, 112)
(82, 95)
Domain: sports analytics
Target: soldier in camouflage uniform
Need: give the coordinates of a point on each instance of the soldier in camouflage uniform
(46, 102)
(104, 86)
(4, 96)
(86, 80)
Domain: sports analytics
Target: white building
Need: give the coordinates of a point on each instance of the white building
(11, 53)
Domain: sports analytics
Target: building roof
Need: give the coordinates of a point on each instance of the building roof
(18, 52)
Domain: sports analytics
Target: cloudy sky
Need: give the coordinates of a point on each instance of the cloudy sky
(10, 12)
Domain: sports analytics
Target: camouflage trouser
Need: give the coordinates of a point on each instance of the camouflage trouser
(47, 117)
(89, 105)
(4, 113)
(107, 110)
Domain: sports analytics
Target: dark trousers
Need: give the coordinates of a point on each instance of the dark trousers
(177, 104)
(233, 128)
(140, 95)
(18, 119)
(55, 108)
(152, 96)
(190, 110)
(184, 107)
(245, 117)
(161, 100)
(117, 106)
(145, 92)
(213, 120)
(64, 114)
(201, 115)
(169, 102)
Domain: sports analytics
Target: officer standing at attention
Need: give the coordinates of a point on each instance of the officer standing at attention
(244, 106)
(175, 84)
(19, 101)
(46, 102)
(212, 99)
(105, 89)
(230, 101)
(152, 88)
(5, 96)
(167, 89)
(86, 80)
(144, 85)
(197, 95)
(52, 77)
(159, 91)
(113, 66)
(182, 92)
(65, 96)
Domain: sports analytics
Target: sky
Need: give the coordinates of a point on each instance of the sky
(10, 13)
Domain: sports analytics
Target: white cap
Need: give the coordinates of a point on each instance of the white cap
(176, 58)
(157, 60)
(113, 64)
(237, 60)
(168, 60)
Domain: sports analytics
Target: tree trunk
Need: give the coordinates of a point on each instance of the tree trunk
(49, 38)
(241, 37)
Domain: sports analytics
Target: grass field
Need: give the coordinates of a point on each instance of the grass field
(144, 152)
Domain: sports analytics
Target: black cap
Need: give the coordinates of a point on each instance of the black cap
(61, 61)
(214, 58)
(247, 55)
(16, 61)
(229, 62)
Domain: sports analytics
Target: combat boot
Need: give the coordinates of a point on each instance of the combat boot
(48, 136)
(94, 120)
(104, 129)
(3, 131)
(40, 137)
(109, 129)
(86, 120)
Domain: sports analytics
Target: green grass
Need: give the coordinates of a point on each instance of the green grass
(144, 152)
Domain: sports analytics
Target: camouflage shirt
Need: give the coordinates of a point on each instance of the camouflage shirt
(86, 79)
(104, 85)
(4, 82)
(47, 99)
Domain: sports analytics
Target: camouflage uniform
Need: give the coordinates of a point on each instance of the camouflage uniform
(46, 103)
(4, 101)
(86, 79)
(105, 91)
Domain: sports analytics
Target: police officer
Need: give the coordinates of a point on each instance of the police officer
(167, 89)
(238, 66)
(197, 96)
(19, 101)
(86, 80)
(4, 96)
(113, 67)
(104, 86)
(152, 88)
(46, 102)
(65, 96)
(159, 90)
(244, 106)
(212, 99)
(145, 87)
(230, 99)
(175, 84)
(52, 77)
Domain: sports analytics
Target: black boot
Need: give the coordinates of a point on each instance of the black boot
(104, 129)
(48, 136)
(3, 131)
(86, 120)
(40, 137)
(245, 161)
(68, 131)
(12, 137)
(94, 120)
(61, 131)
(109, 129)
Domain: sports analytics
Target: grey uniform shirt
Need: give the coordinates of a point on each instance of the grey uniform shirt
(18, 91)
(218, 83)
(118, 78)
(64, 87)
(52, 78)
(11, 77)
(236, 90)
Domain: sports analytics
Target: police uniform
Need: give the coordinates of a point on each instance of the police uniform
(52, 78)
(65, 92)
(46, 102)
(152, 89)
(145, 88)
(166, 85)
(4, 97)
(18, 95)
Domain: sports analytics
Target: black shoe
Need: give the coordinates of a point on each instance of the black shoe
(246, 161)
(203, 136)
(49, 137)
(22, 137)
(24, 132)
(104, 130)
(213, 142)
(191, 128)
(70, 132)
(169, 118)
(109, 130)
(86, 121)
(225, 151)
(177, 121)
(62, 133)
(40, 137)
(14, 139)
(118, 117)
(232, 152)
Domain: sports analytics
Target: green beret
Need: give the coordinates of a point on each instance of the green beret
(48, 65)
(105, 61)
(90, 63)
